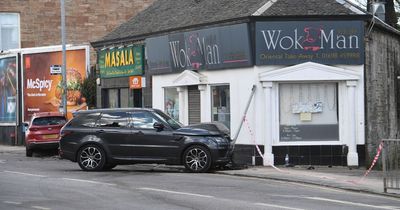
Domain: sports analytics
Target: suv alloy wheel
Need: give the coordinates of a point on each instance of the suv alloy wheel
(197, 159)
(91, 158)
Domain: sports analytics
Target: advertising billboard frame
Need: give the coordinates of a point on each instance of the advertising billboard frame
(15, 123)
(50, 49)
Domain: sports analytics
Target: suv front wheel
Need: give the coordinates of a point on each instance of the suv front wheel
(91, 158)
(197, 159)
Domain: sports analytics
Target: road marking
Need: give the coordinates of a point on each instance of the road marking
(277, 206)
(89, 181)
(2, 161)
(12, 202)
(348, 203)
(26, 174)
(40, 207)
(175, 192)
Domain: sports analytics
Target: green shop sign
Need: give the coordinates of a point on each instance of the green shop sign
(121, 62)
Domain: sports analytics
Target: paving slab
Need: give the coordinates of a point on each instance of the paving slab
(336, 177)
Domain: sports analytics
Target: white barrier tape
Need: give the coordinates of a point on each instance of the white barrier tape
(254, 142)
(378, 153)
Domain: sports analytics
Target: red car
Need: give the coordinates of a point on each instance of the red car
(44, 131)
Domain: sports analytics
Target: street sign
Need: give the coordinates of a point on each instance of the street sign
(55, 69)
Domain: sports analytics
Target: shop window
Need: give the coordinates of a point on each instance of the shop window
(308, 112)
(124, 97)
(9, 31)
(171, 103)
(220, 102)
(113, 98)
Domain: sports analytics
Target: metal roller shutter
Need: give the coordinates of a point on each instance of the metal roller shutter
(194, 104)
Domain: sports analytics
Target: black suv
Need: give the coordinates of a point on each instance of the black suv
(103, 138)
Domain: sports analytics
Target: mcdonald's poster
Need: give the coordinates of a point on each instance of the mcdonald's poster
(8, 89)
(43, 91)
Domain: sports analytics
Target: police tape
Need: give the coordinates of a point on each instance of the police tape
(254, 142)
(378, 153)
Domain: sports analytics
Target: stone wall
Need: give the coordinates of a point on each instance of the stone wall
(382, 88)
(86, 20)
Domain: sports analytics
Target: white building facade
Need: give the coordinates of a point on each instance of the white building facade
(309, 87)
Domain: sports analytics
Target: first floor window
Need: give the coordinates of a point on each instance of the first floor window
(308, 112)
(9, 31)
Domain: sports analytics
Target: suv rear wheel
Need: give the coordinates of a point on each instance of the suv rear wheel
(197, 159)
(91, 158)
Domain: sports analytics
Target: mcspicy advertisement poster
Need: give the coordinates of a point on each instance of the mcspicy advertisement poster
(43, 91)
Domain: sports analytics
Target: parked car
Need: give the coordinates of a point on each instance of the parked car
(101, 139)
(44, 131)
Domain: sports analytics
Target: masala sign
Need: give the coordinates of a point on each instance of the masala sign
(121, 62)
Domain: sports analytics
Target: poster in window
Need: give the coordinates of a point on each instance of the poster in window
(308, 112)
(171, 105)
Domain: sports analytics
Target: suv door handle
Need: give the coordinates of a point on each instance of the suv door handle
(138, 133)
(100, 131)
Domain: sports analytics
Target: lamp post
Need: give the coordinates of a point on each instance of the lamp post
(64, 61)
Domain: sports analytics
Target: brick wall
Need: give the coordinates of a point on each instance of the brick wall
(86, 20)
(382, 89)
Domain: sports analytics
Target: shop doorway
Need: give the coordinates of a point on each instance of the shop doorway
(135, 98)
(194, 104)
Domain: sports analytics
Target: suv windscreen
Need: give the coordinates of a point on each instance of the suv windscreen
(167, 119)
(41, 121)
(84, 120)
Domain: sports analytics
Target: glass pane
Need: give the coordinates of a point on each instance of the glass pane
(308, 112)
(124, 97)
(171, 105)
(143, 120)
(84, 120)
(113, 98)
(9, 38)
(9, 19)
(114, 120)
(221, 108)
(49, 121)
(9, 31)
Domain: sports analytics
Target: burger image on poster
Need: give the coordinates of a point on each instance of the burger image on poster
(74, 86)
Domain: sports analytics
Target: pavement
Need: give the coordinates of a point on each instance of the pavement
(339, 177)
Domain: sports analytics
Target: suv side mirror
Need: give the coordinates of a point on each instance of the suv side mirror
(158, 126)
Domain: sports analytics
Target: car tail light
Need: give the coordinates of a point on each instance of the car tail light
(30, 136)
(33, 129)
